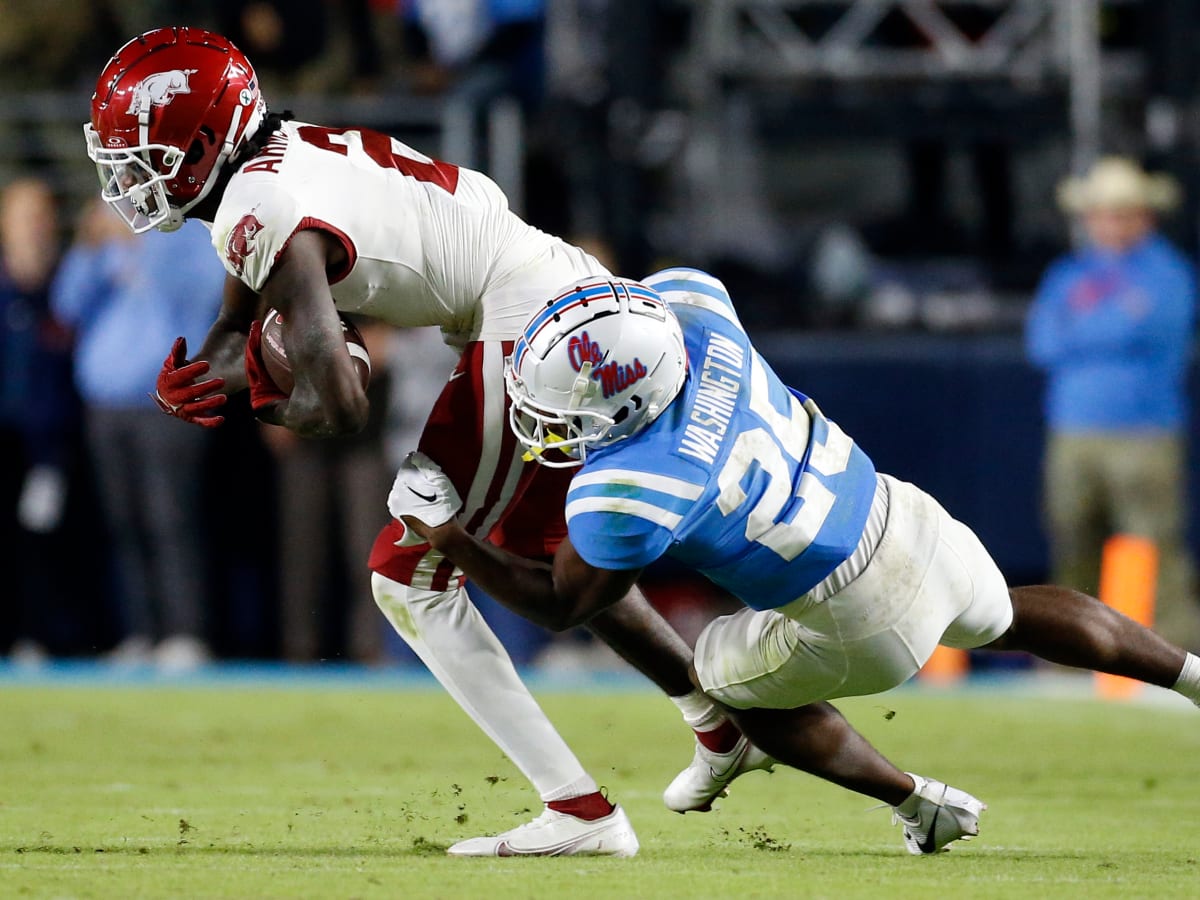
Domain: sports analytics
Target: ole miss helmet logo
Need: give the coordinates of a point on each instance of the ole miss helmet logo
(614, 377)
(241, 241)
(159, 89)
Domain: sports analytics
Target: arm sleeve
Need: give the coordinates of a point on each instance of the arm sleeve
(607, 540)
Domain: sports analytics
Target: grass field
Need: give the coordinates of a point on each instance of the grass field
(354, 790)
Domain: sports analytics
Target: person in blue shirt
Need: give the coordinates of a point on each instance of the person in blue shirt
(690, 447)
(124, 297)
(1112, 327)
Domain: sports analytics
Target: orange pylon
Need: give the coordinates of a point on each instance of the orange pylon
(1128, 578)
(946, 665)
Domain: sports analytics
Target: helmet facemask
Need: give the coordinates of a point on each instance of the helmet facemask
(566, 432)
(133, 186)
(597, 365)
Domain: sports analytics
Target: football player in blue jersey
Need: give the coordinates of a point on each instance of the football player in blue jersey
(689, 446)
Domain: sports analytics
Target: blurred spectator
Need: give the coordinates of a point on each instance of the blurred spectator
(126, 297)
(241, 538)
(1112, 327)
(37, 409)
(329, 515)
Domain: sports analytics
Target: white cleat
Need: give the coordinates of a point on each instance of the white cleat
(707, 778)
(944, 815)
(558, 834)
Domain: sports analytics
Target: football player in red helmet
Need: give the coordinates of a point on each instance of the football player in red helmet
(311, 220)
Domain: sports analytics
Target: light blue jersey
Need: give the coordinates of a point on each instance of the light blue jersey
(740, 477)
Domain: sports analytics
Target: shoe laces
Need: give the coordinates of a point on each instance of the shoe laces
(546, 817)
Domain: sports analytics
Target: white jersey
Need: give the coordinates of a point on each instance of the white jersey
(427, 243)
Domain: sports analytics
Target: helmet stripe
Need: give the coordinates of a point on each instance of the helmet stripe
(562, 303)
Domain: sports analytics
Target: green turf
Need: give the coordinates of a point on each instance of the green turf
(311, 792)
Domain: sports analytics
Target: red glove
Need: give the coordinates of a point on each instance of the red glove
(178, 394)
(263, 390)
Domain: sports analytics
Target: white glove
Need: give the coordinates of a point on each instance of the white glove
(43, 496)
(423, 491)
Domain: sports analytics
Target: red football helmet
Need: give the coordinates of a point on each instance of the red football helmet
(169, 109)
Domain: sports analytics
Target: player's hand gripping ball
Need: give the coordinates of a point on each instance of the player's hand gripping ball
(274, 354)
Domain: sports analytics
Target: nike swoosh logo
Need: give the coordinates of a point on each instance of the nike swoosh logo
(454, 375)
(564, 848)
(728, 772)
(427, 499)
(929, 845)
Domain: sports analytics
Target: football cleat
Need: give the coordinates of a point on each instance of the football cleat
(707, 778)
(944, 814)
(558, 834)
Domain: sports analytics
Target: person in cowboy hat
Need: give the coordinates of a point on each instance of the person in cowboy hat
(1111, 326)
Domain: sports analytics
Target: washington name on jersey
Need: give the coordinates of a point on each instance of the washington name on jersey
(740, 477)
(426, 242)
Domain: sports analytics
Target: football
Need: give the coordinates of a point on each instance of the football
(274, 354)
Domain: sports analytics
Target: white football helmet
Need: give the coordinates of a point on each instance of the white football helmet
(596, 365)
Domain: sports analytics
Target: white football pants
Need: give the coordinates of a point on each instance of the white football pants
(918, 578)
(451, 637)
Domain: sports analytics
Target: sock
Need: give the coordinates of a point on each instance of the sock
(910, 804)
(721, 739)
(580, 787)
(1188, 682)
(712, 727)
(699, 711)
(588, 807)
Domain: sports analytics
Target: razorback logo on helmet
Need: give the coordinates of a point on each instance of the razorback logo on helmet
(613, 377)
(159, 89)
(241, 241)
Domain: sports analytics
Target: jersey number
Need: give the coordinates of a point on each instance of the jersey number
(767, 447)
(384, 151)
